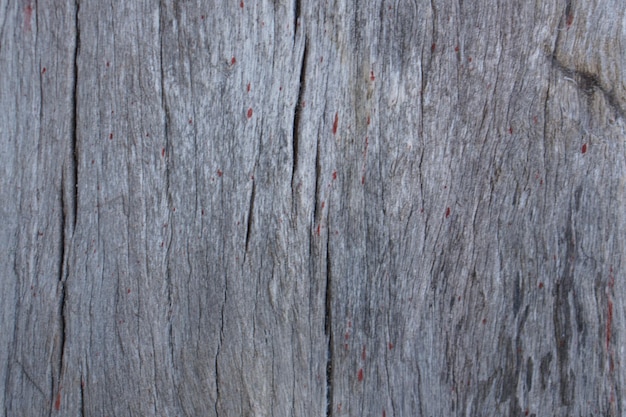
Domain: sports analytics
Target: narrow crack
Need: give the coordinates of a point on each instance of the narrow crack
(296, 15)
(250, 216)
(328, 329)
(297, 114)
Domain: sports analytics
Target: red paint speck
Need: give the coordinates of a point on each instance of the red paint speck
(335, 123)
(362, 179)
(334, 175)
(541, 285)
(319, 229)
(346, 336)
(372, 77)
(323, 204)
(43, 70)
(233, 61)
(127, 290)
(457, 48)
(248, 87)
(162, 152)
(570, 20)
(190, 121)
(202, 212)
(363, 353)
(360, 375)
(108, 64)
(484, 321)
(219, 173)
(584, 148)
(433, 47)
(202, 17)
(510, 130)
(241, 4)
(526, 412)
(110, 136)
(384, 414)
(249, 114)
(368, 120)
(390, 345)
(447, 212)
(57, 402)
(469, 59)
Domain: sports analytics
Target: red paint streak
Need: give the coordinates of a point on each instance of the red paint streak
(384, 414)
(362, 179)
(321, 59)
(526, 412)
(335, 123)
(323, 204)
(334, 175)
(241, 4)
(609, 320)
(248, 88)
(535, 120)
(350, 323)
(319, 230)
(110, 136)
(372, 77)
(203, 212)
(363, 353)
(233, 61)
(541, 285)
(346, 336)
(28, 14)
(390, 345)
(162, 152)
(108, 64)
(43, 70)
(57, 402)
(584, 148)
(510, 130)
(360, 375)
(345, 346)
(219, 173)
(249, 114)
(447, 212)
(433, 47)
(127, 290)
(368, 120)
(174, 209)
(570, 20)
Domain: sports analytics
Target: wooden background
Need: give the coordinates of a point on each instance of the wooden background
(326, 208)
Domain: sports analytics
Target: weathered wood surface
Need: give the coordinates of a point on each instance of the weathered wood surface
(279, 208)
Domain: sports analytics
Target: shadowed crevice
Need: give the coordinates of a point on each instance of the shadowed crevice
(297, 114)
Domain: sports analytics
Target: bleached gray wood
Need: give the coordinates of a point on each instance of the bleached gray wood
(312, 208)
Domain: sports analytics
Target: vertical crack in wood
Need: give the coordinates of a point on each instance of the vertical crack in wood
(166, 118)
(250, 215)
(82, 397)
(328, 327)
(297, 114)
(296, 15)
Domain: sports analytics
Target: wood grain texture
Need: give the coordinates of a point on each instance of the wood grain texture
(312, 208)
